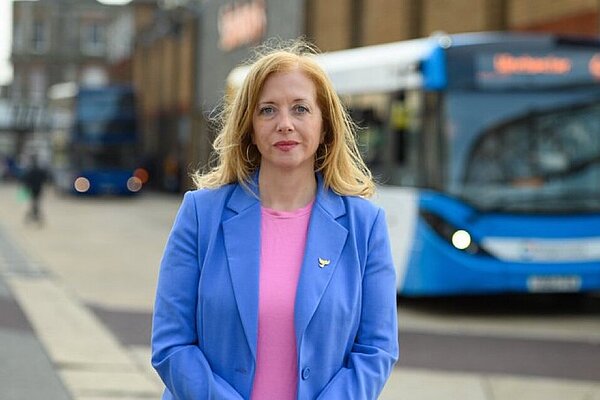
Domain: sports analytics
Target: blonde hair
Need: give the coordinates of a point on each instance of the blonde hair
(337, 158)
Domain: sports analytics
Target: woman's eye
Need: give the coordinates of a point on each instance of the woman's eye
(266, 110)
(301, 109)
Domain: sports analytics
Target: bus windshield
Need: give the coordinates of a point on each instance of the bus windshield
(105, 157)
(104, 104)
(546, 161)
(106, 130)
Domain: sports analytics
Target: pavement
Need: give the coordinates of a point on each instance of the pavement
(76, 296)
(52, 278)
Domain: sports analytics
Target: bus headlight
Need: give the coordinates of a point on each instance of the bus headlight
(81, 184)
(134, 184)
(459, 238)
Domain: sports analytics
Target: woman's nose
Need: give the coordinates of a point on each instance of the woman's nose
(284, 124)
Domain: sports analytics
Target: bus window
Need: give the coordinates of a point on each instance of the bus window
(554, 157)
(405, 125)
(105, 129)
(431, 148)
(370, 113)
(105, 157)
(370, 136)
(387, 126)
(399, 120)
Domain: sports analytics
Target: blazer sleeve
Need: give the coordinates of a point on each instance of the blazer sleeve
(375, 349)
(176, 356)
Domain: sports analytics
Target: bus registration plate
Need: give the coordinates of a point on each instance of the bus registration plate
(561, 283)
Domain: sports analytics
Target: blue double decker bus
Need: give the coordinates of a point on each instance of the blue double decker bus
(95, 140)
(487, 150)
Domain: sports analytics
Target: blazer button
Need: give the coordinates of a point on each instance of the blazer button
(305, 373)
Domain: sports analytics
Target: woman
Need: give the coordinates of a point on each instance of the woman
(277, 280)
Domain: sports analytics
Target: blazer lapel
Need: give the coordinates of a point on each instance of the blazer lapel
(326, 239)
(243, 252)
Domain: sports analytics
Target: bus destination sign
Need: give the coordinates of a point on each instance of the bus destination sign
(528, 69)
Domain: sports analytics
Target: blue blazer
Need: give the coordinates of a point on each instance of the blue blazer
(205, 325)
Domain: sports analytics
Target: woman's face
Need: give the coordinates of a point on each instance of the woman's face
(287, 122)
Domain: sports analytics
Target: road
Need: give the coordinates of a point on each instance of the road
(76, 296)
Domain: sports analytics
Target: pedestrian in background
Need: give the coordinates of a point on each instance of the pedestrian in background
(33, 179)
(277, 279)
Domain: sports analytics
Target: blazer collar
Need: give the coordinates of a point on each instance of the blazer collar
(245, 197)
(331, 202)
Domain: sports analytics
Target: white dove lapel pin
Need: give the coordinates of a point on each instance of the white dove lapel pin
(323, 262)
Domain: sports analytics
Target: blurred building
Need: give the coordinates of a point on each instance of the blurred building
(58, 41)
(340, 24)
(163, 68)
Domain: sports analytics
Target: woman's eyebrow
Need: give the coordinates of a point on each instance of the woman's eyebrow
(267, 101)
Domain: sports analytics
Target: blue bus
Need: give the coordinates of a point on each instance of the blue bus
(95, 139)
(487, 150)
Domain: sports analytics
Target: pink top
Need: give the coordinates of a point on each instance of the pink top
(283, 239)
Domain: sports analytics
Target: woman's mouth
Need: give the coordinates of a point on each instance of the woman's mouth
(286, 145)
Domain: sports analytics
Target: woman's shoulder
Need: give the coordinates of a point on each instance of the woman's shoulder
(210, 197)
(361, 216)
(361, 207)
(362, 204)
